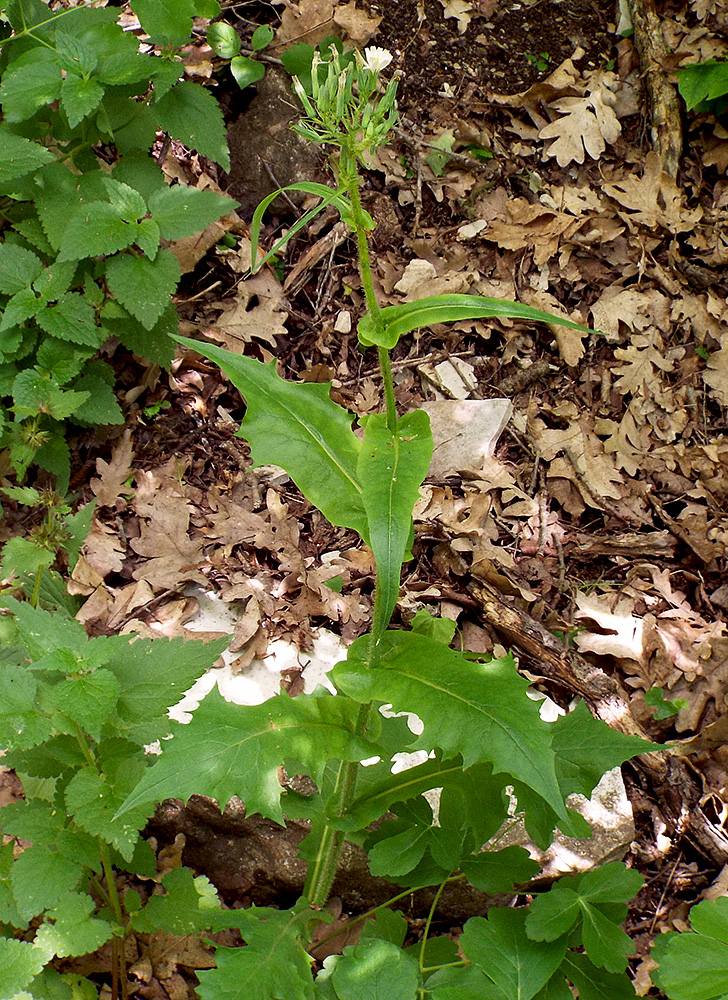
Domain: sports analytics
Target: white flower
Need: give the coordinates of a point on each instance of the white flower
(376, 59)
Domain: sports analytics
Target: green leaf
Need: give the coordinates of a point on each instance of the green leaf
(144, 287)
(19, 156)
(478, 710)
(588, 899)
(391, 469)
(440, 629)
(21, 556)
(375, 970)
(21, 307)
(464, 983)
(329, 196)
(153, 675)
(705, 81)
(401, 319)
(32, 80)
(499, 871)
(71, 929)
(273, 964)
(20, 724)
(694, 966)
(188, 906)
(596, 984)
(79, 97)
(516, 966)
(87, 696)
(297, 426)
(262, 36)
(586, 748)
(41, 877)
(18, 268)
(93, 802)
(101, 406)
(238, 749)
(76, 54)
(191, 114)
(183, 211)
(94, 230)
(246, 70)
(20, 962)
(374, 799)
(168, 22)
(223, 39)
(398, 855)
(72, 319)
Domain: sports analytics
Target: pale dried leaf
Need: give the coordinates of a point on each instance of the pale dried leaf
(588, 124)
(357, 23)
(259, 312)
(114, 476)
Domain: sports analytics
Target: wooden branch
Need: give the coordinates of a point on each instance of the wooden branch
(662, 100)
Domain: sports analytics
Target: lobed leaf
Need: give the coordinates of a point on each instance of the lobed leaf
(238, 749)
(694, 966)
(477, 710)
(407, 316)
(515, 965)
(273, 965)
(297, 426)
(391, 469)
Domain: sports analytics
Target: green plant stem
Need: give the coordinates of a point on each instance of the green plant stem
(323, 869)
(117, 944)
(35, 596)
(381, 906)
(430, 915)
(350, 179)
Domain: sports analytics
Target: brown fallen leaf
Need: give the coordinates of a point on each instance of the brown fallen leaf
(358, 24)
(114, 476)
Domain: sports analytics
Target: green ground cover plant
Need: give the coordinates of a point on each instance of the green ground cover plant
(86, 213)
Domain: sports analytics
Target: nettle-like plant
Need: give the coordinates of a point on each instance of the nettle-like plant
(485, 740)
(86, 212)
(75, 717)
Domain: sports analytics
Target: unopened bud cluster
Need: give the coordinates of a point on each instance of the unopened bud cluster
(347, 106)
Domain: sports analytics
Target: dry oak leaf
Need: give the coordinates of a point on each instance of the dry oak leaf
(586, 463)
(171, 555)
(114, 475)
(644, 354)
(533, 226)
(310, 21)
(357, 24)
(716, 375)
(461, 10)
(637, 310)
(588, 125)
(653, 199)
(259, 311)
(570, 342)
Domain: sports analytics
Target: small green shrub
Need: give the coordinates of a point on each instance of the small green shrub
(86, 212)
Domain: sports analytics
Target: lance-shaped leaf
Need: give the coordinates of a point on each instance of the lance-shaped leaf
(328, 196)
(391, 469)
(297, 426)
(478, 710)
(408, 316)
(232, 750)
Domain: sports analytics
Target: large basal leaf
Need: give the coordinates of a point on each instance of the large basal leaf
(297, 426)
(230, 750)
(401, 319)
(516, 966)
(391, 469)
(478, 710)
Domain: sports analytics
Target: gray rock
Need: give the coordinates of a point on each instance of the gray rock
(265, 153)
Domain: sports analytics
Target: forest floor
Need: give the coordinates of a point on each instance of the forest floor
(522, 168)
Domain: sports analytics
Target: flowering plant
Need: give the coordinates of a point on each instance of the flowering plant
(481, 734)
